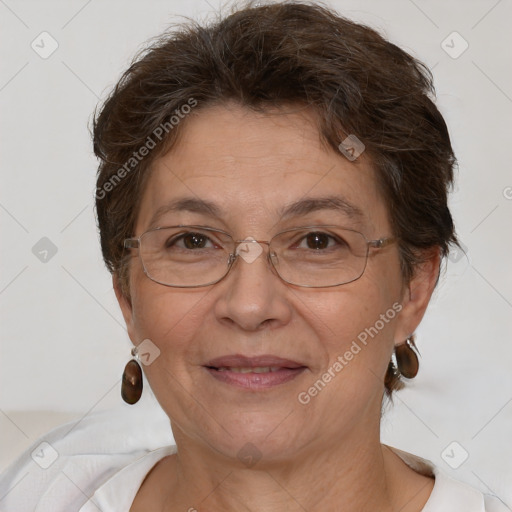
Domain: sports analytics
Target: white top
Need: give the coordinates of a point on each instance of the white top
(101, 462)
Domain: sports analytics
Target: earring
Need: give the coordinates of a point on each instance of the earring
(407, 358)
(132, 382)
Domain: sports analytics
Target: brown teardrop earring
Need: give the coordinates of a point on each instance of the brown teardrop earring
(407, 360)
(132, 382)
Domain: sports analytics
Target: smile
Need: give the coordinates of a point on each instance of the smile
(257, 369)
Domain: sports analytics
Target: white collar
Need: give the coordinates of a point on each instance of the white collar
(119, 491)
(447, 492)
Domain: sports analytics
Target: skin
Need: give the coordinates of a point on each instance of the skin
(325, 455)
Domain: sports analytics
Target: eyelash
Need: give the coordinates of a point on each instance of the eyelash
(176, 239)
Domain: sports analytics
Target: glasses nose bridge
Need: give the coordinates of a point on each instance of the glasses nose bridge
(236, 253)
(251, 240)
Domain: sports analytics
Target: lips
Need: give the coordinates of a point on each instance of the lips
(239, 361)
(261, 372)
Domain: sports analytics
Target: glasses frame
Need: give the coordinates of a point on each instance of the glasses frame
(135, 243)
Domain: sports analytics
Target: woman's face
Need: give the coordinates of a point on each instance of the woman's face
(337, 341)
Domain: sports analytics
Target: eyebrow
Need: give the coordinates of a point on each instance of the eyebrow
(296, 209)
(189, 204)
(311, 205)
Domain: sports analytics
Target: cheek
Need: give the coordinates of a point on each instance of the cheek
(168, 317)
(172, 320)
(356, 322)
(355, 328)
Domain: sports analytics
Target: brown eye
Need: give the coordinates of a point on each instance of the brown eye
(189, 241)
(317, 240)
(194, 240)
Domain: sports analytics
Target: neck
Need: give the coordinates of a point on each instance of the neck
(350, 475)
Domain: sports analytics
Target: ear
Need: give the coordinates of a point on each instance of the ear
(417, 294)
(126, 306)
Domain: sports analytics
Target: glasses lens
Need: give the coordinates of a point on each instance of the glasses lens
(185, 256)
(319, 256)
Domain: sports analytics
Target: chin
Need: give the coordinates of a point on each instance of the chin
(265, 436)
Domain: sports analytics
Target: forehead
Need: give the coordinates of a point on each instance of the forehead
(252, 167)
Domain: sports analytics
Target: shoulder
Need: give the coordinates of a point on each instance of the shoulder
(493, 504)
(449, 494)
(461, 496)
(61, 470)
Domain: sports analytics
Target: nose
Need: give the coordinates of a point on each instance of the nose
(252, 296)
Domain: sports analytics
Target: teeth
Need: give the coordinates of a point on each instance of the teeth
(254, 369)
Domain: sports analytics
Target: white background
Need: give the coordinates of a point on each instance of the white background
(63, 342)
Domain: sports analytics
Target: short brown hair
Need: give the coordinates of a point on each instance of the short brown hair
(264, 57)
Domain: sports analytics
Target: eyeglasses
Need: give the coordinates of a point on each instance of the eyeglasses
(311, 256)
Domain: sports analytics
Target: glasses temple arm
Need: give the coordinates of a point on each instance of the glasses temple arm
(381, 242)
(131, 243)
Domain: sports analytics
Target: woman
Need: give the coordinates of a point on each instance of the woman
(272, 204)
